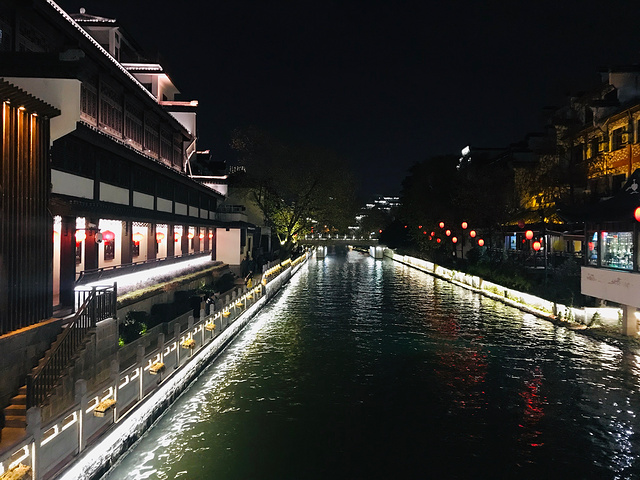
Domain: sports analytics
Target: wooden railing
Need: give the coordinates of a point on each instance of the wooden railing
(93, 305)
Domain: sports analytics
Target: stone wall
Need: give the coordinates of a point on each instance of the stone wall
(21, 351)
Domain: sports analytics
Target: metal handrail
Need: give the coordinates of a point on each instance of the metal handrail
(97, 305)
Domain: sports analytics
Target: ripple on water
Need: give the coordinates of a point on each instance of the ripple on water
(364, 369)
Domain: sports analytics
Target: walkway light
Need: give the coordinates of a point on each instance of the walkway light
(472, 234)
(464, 225)
(536, 245)
(528, 234)
(481, 242)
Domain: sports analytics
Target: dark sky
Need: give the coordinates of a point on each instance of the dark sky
(384, 83)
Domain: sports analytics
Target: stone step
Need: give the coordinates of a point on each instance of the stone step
(20, 399)
(15, 410)
(11, 421)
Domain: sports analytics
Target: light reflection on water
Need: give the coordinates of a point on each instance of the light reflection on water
(365, 369)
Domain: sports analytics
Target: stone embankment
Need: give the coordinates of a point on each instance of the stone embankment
(104, 420)
(603, 322)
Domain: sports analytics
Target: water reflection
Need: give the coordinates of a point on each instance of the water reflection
(365, 369)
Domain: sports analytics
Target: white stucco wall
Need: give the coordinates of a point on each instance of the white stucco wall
(63, 94)
(611, 285)
(73, 185)
(228, 246)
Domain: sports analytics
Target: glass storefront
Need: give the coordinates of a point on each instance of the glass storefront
(592, 249)
(617, 250)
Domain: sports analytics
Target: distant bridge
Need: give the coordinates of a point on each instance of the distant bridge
(318, 241)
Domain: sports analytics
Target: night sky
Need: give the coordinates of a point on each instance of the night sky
(384, 83)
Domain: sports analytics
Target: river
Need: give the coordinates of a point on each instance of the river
(366, 369)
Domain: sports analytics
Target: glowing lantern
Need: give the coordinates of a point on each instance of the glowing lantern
(528, 234)
(448, 233)
(177, 236)
(464, 225)
(108, 236)
(441, 225)
(481, 242)
(536, 245)
(636, 214)
(405, 226)
(424, 232)
(454, 239)
(159, 237)
(190, 235)
(380, 231)
(438, 240)
(472, 234)
(420, 226)
(211, 235)
(201, 236)
(80, 236)
(138, 237)
(433, 234)
(520, 223)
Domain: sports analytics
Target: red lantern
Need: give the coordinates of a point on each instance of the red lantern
(137, 238)
(405, 226)
(210, 235)
(80, 236)
(108, 235)
(464, 225)
(433, 234)
(636, 214)
(201, 236)
(159, 237)
(528, 234)
(448, 233)
(454, 239)
(481, 242)
(420, 226)
(424, 232)
(441, 224)
(176, 237)
(472, 234)
(190, 235)
(520, 223)
(438, 240)
(536, 245)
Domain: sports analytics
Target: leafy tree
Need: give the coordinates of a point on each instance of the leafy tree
(295, 187)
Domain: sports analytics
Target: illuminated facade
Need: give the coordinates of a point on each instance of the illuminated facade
(600, 134)
(95, 176)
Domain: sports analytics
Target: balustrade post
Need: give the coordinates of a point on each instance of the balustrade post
(140, 363)
(161, 350)
(83, 403)
(34, 428)
(115, 380)
(176, 336)
(94, 303)
(114, 301)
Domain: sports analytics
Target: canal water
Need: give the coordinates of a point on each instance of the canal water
(365, 369)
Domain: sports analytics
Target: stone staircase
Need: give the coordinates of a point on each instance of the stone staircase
(15, 414)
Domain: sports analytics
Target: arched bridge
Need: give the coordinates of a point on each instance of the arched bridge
(325, 240)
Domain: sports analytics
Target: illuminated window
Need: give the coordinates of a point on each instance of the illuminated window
(617, 250)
